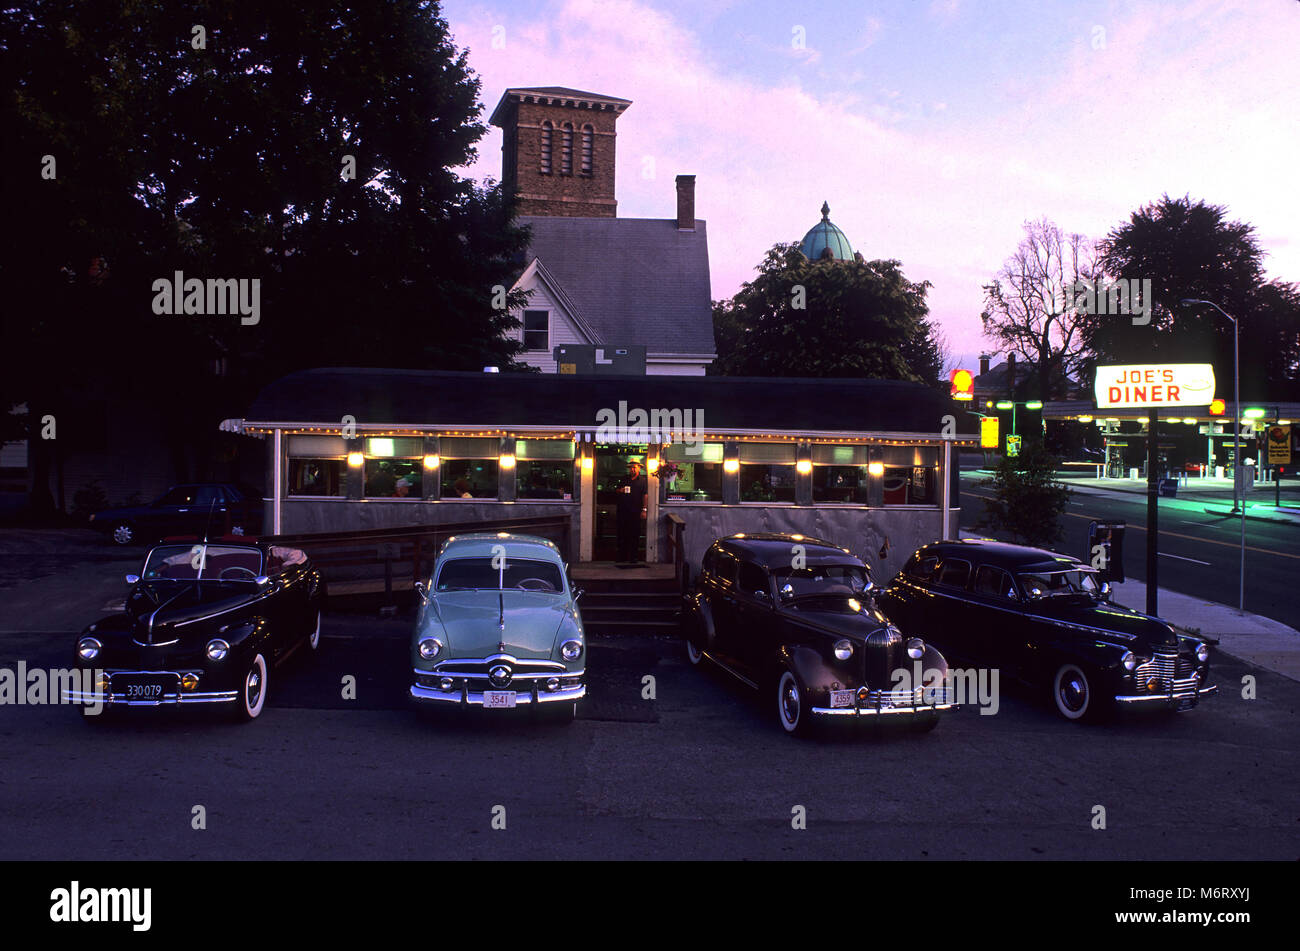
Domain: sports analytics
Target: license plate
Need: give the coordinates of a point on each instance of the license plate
(144, 687)
(499, 699)
(841, 698)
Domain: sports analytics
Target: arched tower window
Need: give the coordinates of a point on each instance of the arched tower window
(545, 160)
(588, 134)
(566, 149)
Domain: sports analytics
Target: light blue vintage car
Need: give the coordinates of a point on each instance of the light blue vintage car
(499, 627)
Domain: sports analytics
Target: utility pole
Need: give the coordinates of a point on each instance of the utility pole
(1153, 506)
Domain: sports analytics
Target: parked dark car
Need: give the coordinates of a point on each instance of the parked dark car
(794, 618)
(1043, 619)
(205, 623)
(200, 508)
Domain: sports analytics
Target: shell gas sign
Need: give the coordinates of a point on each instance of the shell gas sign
(1154, 385)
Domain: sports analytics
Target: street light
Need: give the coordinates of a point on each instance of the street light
(1236, 442)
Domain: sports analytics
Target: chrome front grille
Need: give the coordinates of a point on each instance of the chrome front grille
(920, 697)
(1164, 667)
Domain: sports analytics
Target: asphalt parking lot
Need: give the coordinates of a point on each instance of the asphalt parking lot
(699, 771)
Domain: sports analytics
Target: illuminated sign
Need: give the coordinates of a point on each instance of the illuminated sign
(1013, 445)
(963, 385)
(989, 432)
(1279, 445)
(1147, 385)
(1218, 407)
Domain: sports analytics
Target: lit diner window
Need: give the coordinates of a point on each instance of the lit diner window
(839, 474)
(394, 467)
(467, 466)
(767, 471)
(692, 477)
(317, 466)
(544, 469)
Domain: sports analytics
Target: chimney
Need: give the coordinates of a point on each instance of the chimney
(685, 202)
(984, 363)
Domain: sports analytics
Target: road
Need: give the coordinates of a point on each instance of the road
(1199, 552)
(701, 771)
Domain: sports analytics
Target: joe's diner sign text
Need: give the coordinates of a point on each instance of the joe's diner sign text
(1154, 384)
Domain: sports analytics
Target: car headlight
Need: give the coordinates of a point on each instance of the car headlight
(217, 649)
(843, 650)
(1202, 651)
(571, 650)
(1129, 660)
(88, 648)
(430, 647)
(916, 648)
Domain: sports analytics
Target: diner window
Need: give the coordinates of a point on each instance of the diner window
(911, 475)
(468, 467)
(767, 472)
(394, 468)
(317, 466)
(692, 477)
(544, 469)
(537, 330)
(839, 474)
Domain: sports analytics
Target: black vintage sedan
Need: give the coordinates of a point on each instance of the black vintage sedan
(205, 623)
(793, 617)
(1043, 619)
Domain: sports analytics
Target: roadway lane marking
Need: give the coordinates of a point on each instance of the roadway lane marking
(1181, 558)
(1206, 541)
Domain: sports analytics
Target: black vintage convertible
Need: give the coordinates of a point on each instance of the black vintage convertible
(793, 617)
(205, 623)
(1043, 619)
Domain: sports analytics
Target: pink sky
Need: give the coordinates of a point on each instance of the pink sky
(933, 131)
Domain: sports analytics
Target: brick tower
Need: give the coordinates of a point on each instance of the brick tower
(557, 153)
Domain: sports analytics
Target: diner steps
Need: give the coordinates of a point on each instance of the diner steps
(613, 606)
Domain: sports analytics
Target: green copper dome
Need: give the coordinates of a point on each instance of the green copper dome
(824, 240)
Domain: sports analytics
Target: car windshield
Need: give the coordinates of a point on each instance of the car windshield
(460, 574)
(202, 563)
(1055, 584)
(822, 581)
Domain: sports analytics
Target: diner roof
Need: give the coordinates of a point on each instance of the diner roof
(428, 399)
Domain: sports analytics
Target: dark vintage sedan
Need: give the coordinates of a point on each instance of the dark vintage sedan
(1043, 619)
(202, 508)
(794, 618)
(205, 623)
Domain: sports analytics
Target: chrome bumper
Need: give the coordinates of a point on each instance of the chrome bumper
(119, 700)
(474, 698)
(891, 702)
(1185, 693)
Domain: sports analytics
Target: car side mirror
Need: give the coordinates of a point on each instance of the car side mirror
(132, 579)
(422, 591)
(577, 593)
(787, 591)
(762, 595)
(1104, 592)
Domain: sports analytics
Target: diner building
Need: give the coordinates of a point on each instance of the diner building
(868, 464)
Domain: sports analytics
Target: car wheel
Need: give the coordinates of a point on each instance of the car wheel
(693, 653)
(313, 641)
(252, 694)
(1073, 693)
(792, 704)
(123, 533)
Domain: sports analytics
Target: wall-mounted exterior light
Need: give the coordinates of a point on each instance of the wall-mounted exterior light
(588, 464)
(803, 466)
(507, 461)
(730, 465)
(431, 462)
(876, 469)
(356, 459)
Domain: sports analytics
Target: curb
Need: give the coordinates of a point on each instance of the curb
(1256, 518)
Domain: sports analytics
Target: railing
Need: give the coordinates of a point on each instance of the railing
(352, 562)
(676, 528)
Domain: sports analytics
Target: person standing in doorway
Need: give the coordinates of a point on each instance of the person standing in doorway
(632, 492)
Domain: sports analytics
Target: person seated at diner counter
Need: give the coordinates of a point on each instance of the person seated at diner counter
(461, 489)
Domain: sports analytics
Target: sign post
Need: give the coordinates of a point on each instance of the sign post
(1152, 387)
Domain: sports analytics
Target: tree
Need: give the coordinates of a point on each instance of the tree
(1029, 310)
(1027, 500)
(828, 319)
(1191, 250)
(309, 145)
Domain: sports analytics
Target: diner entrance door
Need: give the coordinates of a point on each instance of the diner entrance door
(611, 470)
